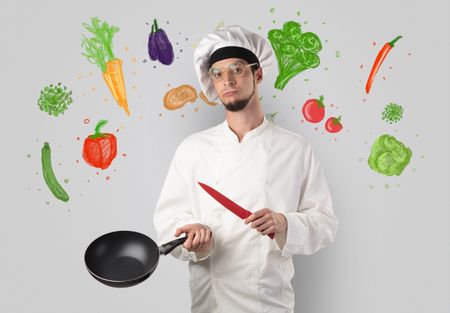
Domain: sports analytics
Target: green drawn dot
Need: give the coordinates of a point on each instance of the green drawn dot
(274, 21)
(272, 10)
(398, 185)
(259, 27)
(337, 54)
(298, 13)
(66, 181)
(293, 108)
(387, 186)
(47, 203)
(360, 159)
(305, 22)
(414, 169)
(274, 96)
(371, 186)
(326, 68)
(422, 156)
(306, 79)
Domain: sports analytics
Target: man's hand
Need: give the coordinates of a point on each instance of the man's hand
(267, 221)
(199, 237)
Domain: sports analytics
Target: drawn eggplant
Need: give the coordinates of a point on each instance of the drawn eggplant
(159, 46)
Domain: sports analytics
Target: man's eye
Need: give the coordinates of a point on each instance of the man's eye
(217, 74)
(236, 69)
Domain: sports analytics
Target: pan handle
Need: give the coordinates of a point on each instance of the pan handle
(168, 247)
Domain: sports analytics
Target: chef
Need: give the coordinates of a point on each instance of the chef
(270, 171)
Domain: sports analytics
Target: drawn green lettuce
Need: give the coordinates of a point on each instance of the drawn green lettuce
(389, 156)
(294, 50)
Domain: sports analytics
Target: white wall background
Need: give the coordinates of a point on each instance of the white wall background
(392, 252)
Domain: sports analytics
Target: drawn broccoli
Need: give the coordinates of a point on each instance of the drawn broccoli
(55, 99)
(392, 113)
(294, 50)
(389, 156)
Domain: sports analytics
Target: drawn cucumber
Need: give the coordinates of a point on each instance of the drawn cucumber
(49, 176)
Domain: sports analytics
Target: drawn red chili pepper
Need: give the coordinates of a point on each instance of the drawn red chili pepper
(100, 149)
(313, 110)
(333, 125)
(379, 60)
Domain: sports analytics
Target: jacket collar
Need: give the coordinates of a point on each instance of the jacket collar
(254, 133)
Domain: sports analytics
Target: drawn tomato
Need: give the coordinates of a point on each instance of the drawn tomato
(313, 110)
(333, 124)
(100, 149)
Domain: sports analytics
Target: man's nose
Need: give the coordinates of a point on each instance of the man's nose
(228, 78)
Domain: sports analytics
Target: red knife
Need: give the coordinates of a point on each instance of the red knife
(229, 204)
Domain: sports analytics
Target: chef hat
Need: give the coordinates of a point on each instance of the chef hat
(229, 42)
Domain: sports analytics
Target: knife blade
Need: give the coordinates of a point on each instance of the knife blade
(228, 203)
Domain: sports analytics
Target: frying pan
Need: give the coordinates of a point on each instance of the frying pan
(125, 258)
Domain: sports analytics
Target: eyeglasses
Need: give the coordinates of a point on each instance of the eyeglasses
(235, 69)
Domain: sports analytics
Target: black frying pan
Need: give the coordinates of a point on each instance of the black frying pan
(125, 258)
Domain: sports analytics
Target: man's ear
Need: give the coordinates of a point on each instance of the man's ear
(259, 75)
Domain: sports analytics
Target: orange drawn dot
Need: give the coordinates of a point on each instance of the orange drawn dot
(133, 87)
(126, 48)
(90, 73)
(133, 60)
(84, 94)
(80, 77)
(105, 99)
(196, 109)
(86, 121)
(93, 88)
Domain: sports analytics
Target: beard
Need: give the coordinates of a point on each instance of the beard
(239, 105)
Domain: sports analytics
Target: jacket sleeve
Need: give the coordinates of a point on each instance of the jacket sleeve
(313, 225)
(173, 209)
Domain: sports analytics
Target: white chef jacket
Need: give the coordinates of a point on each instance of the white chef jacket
(271, 168)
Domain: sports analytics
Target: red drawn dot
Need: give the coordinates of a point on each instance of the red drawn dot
(317, 128)
(390, 67)
(384, 77)
(97, 173)
(77, 161)
(332, 105)
(364, 100)
(107, 177)
(302, 121)
(78, 138)
(86, 121)
(124, 154)
(374, 43)
(409, 53)
(117, 130)
(361, 66)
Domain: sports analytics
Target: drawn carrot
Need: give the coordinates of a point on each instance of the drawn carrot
(98, 50)
(379, 60)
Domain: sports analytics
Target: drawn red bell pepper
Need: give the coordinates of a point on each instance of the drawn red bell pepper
(100, 149)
